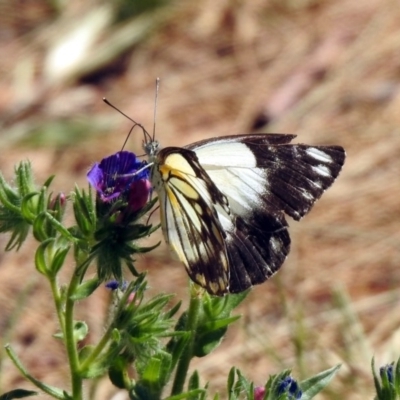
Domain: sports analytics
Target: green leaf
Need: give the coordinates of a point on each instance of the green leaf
(85, 352)
(81, 330)
(118, 374)
(50, 256)
(154, 376)
(41, 257)
(19, 233)
(85, 289)
(50, 390)
(207, 342)
(17, 394)
(152, 372)
(9, 197)
(116, 335)
(142, 250)
(84, 211)
(239, 386)
(28, 207)
(39, 226)
(310, 387)
(397, 377)
(177, 345)
(222, 306)
(213, 323)
(194, 381)
(59, 227)
(95, 370)
(24, 178)
(48, 181)
(58, 259)
(231, 379)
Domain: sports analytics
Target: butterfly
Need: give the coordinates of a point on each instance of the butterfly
(223, 202)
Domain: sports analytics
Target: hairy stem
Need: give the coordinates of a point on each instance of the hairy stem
(184, 362)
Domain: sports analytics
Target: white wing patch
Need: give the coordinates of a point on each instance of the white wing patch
(232, 167)
(319, 155)
(242, 186)
(321, 170)
(225, 154)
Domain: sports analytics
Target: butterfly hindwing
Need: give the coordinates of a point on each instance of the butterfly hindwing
(257, 247)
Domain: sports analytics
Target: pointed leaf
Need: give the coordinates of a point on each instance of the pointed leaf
(310, 387)
(194, 381)
(17, 394)
(27, 207)
(209, 335)
(58, 260)
(118, 373)
(41, 261)
(85, 289)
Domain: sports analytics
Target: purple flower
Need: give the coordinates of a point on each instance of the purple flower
(114, 285)
(117, 177)
(290, 386)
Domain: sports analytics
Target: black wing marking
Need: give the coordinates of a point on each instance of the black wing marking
(297, 175)
(257, 248)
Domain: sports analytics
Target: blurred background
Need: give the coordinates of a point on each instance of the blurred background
(326, 70)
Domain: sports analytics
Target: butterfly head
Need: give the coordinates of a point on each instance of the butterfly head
(151, 148)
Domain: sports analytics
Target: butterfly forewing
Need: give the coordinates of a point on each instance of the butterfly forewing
(277, 176)
(188, 201)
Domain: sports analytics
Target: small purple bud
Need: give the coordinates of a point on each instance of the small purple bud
(112, 285)
(259, 393)
(139, 194)
(60, 200)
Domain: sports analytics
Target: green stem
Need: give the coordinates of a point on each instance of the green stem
(106, 337)
(76, 380)
(58, 303)
(98, 349)
(184, 362)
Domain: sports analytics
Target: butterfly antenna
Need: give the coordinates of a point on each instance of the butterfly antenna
(155, 107)
(135, 124)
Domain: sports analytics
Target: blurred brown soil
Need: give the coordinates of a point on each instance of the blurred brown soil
(325, 70)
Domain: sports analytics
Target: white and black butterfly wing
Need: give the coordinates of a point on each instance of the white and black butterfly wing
(190, 222)
(263, 177)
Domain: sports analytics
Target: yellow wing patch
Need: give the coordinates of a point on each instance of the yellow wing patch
(189, 218)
